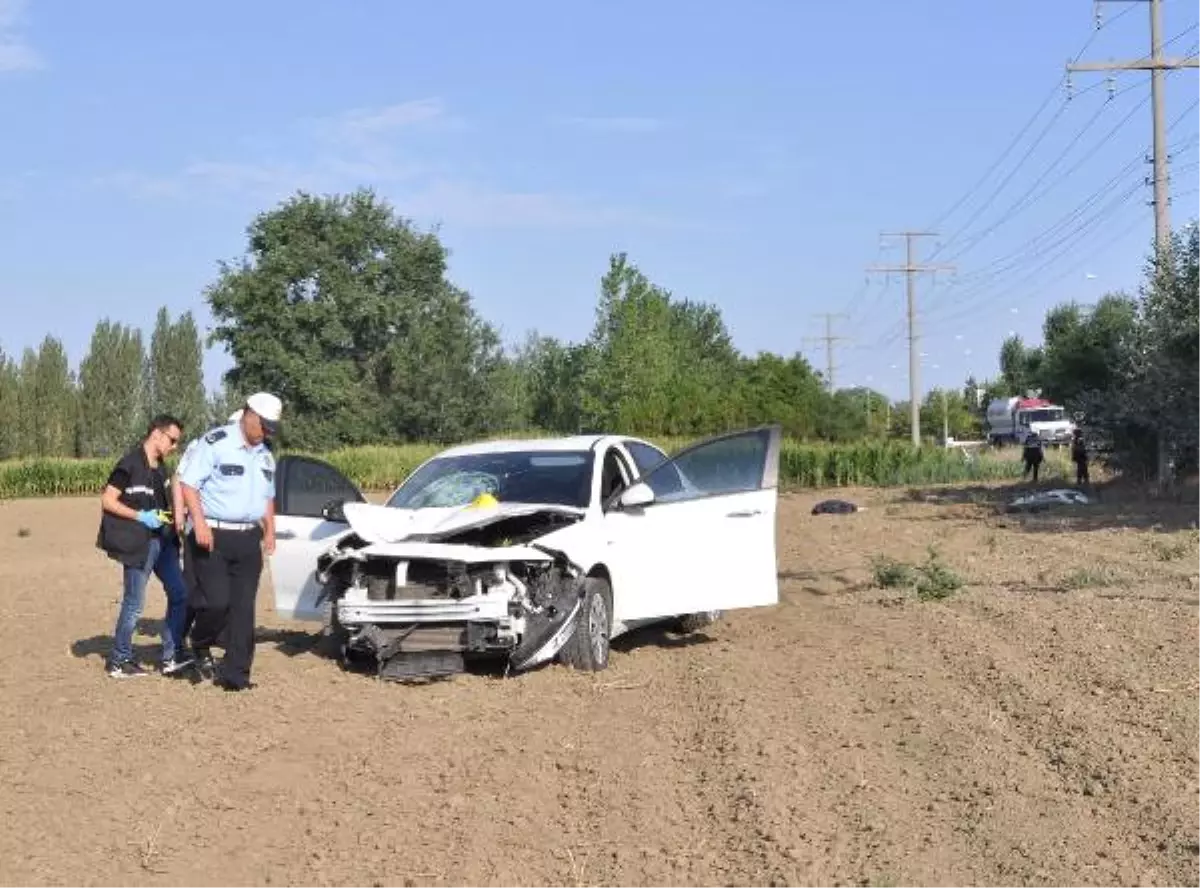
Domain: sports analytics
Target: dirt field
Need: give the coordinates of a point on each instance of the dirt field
(1037, 726)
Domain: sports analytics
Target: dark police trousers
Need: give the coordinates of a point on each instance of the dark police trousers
(224, 587)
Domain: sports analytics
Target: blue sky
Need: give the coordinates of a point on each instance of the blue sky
(747, 156)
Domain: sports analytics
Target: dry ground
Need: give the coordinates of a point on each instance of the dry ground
(1039, 726)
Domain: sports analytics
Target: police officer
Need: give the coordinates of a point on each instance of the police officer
(179, 510)
(228, 486)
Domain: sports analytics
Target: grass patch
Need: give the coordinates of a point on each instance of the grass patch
(888, 573)
(1170, 550)
(932, 581)
(935, 580)
(1086, 577)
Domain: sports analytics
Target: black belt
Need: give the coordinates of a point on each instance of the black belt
(219, 524)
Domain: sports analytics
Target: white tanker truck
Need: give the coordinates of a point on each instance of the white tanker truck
(1009, 420)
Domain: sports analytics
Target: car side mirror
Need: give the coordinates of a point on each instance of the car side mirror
(637, 496)
(334, 510)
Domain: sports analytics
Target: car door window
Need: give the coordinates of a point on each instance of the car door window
(614, 475)
(305, 485)
(730, 464)
(645, 456)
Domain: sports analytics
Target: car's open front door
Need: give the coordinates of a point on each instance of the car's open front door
(303, 487)
(707, 533)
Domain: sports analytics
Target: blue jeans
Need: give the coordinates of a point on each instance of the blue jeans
(163, 561)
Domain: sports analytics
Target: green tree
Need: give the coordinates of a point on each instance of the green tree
(1083, 346)
(111, 390)
(10, 410)
(653, 365)
(554, 384)
(946, 410)
(219, 407)
(27, 404)
(48, 401)
(771, 389)
(1019, 366)
(1150, 411)
(344, 310)
(175, 377)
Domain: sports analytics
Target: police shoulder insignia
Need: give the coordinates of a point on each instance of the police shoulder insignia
(215, 435)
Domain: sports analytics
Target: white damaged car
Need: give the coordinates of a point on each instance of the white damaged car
(527, 550)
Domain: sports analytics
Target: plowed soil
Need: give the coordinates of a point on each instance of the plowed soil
(1038, 725)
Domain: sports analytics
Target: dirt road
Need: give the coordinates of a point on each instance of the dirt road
(1037, 726)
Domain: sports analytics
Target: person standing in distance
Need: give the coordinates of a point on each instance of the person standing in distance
(132, 532)
(229, 489)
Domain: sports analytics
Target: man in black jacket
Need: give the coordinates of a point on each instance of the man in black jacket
(136, 531)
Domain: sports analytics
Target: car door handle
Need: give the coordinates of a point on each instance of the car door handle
(745, 513)
(285, 534)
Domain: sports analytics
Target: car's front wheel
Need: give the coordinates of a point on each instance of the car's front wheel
(588, 648)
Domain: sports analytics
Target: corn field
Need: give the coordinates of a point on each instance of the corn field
(802, 465)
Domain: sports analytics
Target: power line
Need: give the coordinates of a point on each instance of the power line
(1067, 244)
(911, 269)
(1066, 241)
(1045, 131)
(1034, 248)
(1029, 123)
(1157, 65)
(1003, 263)
(1023, 202)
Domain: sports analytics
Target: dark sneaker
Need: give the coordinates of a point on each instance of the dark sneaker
(128, 669)
(205, 665)
(177, 664)
(226, 685)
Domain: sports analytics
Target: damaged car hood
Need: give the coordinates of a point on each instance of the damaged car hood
(383, 524)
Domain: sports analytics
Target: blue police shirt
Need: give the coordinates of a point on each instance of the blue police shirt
(236, 481)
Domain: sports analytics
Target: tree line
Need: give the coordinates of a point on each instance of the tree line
(344, 309)
(1126, 367)
(48, 409)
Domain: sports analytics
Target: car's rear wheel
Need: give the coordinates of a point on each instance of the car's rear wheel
(589, 645)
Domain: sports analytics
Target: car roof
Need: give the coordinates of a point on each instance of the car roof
(537, 445)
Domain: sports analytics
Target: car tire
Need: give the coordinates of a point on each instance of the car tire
(689, 623)
(588, 647)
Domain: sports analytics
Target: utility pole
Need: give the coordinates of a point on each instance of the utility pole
(829, 339)
(1157, 65)
(945, 421)
(911, 269)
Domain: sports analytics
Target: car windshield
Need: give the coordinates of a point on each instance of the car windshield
(1051, 415)
(550, 477)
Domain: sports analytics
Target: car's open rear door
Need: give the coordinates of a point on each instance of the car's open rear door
(707, 539)
(303, 486)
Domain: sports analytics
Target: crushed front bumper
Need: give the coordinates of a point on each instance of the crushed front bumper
(387, 617)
